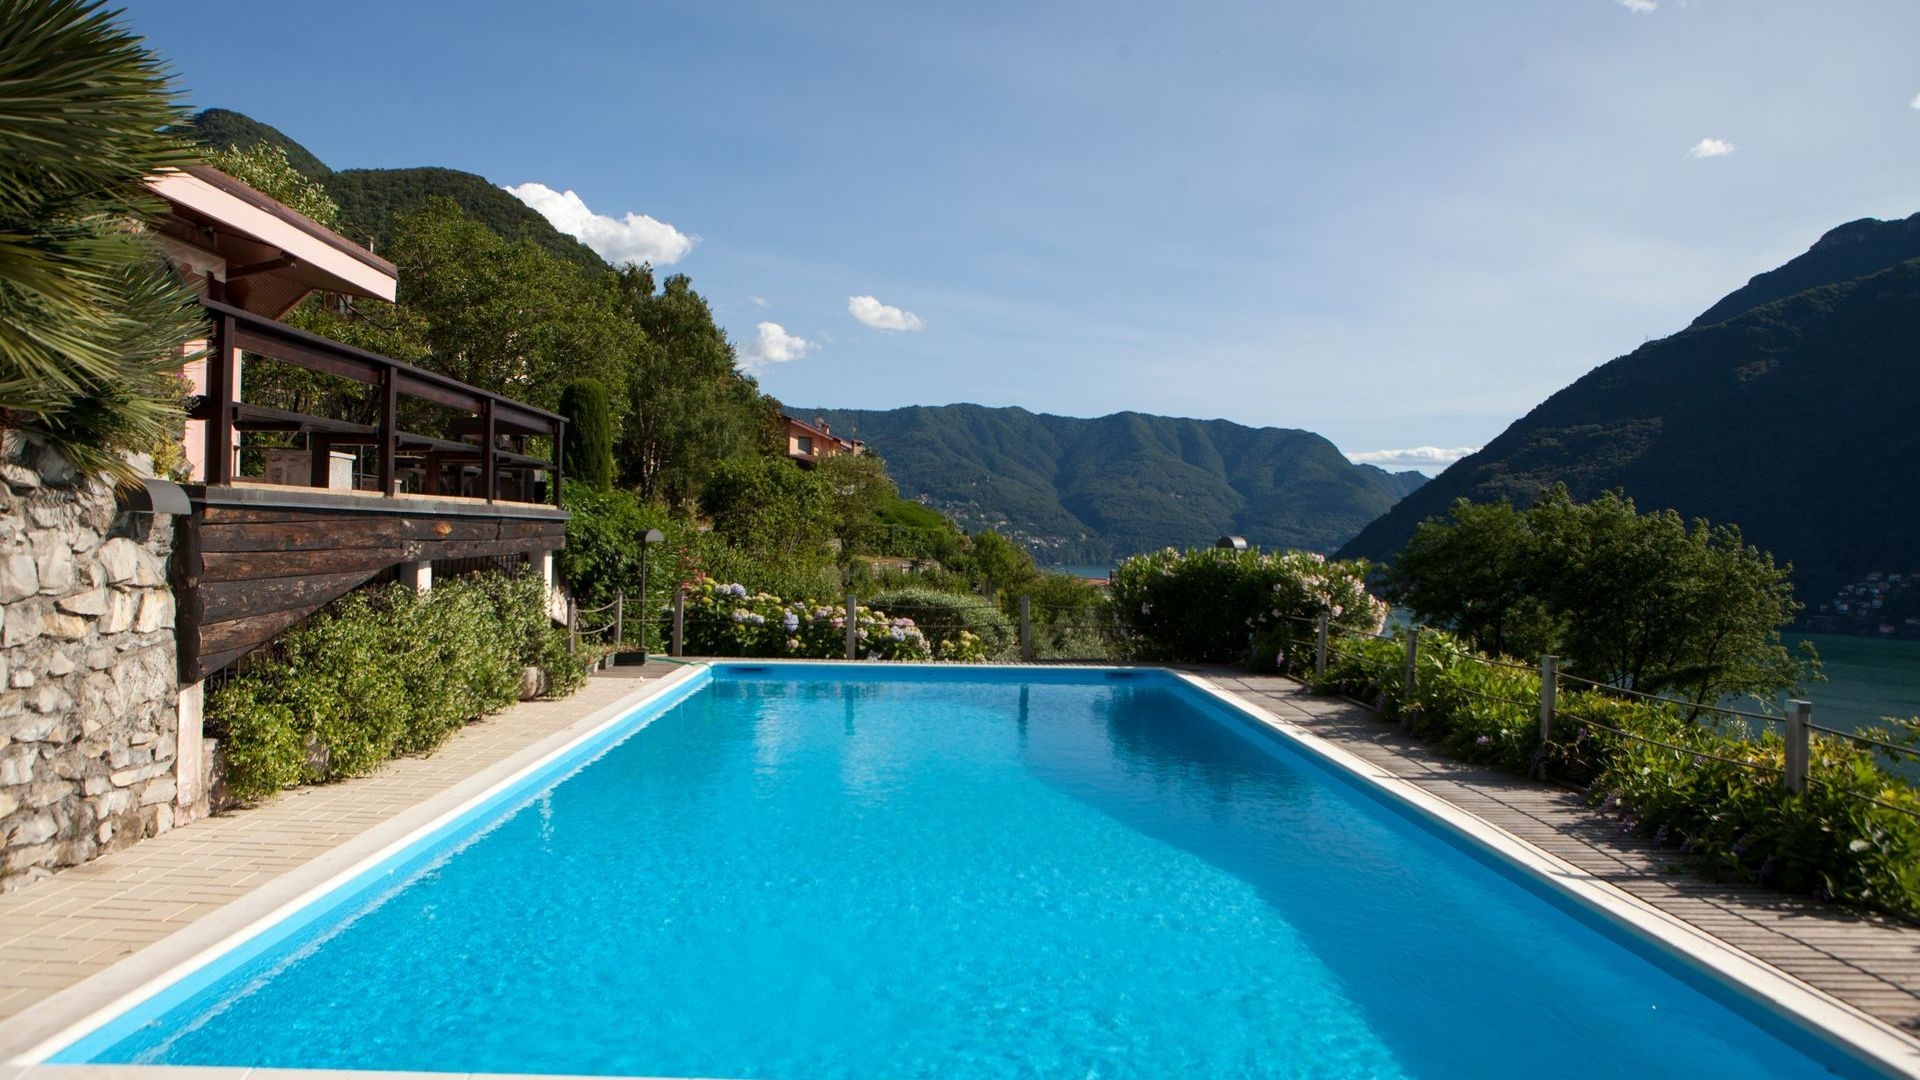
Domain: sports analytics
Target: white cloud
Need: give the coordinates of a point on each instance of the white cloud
(882, 316)
(1424, 458)
(1640, 6)
(758, 301)
(1707, 148)
(634, 238)
(1916, 101)
(773, 345)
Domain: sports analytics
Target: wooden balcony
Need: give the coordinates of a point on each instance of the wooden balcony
(256, 558)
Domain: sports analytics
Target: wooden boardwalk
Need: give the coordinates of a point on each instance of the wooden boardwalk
(1869, 962)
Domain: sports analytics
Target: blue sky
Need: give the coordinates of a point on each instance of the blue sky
(1397, 224)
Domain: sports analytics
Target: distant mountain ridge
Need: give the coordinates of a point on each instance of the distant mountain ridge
(372, 200)
(1795, 416)
(1087, 490)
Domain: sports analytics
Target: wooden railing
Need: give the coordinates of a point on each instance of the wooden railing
(490, 416)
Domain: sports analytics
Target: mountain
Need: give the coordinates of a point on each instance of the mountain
(1795, 416)
(1080, 491)
(372, 200)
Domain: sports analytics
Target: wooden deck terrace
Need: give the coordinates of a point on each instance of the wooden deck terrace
(253, 558)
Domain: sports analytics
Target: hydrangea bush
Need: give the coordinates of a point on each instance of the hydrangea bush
(726, 619)
(1223, 606)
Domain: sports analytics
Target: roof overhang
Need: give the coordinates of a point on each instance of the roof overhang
(279, 253)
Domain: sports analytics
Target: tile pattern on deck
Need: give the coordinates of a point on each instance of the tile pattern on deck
(56, 932)
(1869, 962)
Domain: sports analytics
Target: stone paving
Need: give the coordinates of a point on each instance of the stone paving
(1869, 962)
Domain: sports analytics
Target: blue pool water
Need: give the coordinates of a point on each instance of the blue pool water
(851, 872)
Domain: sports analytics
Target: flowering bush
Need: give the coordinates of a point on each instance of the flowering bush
(727, 620)
(1709, 787)
(1223, 606)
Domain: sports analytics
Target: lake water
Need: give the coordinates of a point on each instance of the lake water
(1867, 679)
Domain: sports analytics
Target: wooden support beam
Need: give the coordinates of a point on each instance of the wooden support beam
(220, 369)
(488, 453)
(389, 429)
(559, 460)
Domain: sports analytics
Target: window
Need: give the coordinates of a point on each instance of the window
(803, 444)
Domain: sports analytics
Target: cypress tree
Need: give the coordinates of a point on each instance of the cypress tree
(589, 445)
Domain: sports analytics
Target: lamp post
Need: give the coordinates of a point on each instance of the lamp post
(647, 540)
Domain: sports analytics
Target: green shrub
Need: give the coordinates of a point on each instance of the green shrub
(589, 442)
(1705, 785)
(1212, 604)
(384, 672)
(944, 616)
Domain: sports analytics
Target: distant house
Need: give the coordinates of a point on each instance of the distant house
(811, 442)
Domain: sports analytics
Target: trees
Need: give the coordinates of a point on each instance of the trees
(1642, 601)
(92, 322)
(589, 443)
(264, 167)
(507, 316)
(688, 408)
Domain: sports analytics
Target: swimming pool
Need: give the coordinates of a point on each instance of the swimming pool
(864, 871)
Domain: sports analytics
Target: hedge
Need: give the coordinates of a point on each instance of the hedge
(384, 672)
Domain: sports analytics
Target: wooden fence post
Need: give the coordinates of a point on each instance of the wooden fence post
(853, 627)
(1320, 650)
(1026, 629)
(1411, 677)
(679, 622)
(619, 617)
(1549, 695)
(1799, 745)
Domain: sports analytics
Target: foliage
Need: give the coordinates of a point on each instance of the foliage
(1634, 600)
(769, 504)
(1709, 787)
(264, 167)
(909, 530)
(995, 566)
(950, 618)
(729, 620)
(688, 405)
(1087, 490)
(505, 315)
(1825, 341)
(384, 672)
(92, 322)
(858, 488)
(1209, 604)
(1070, 619)
(589, 442)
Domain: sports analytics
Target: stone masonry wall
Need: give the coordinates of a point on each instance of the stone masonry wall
(88, 682)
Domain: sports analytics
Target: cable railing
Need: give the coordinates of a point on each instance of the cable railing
(1795, 772)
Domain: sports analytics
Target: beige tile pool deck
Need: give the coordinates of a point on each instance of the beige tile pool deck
(170, 897)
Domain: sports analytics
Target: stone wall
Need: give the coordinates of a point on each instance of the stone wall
(88, 677)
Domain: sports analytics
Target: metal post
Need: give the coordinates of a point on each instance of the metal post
(1549, 695)
(679, 642)
(573, 626)
(1026, 628)
(1799, 744)
(620, 618)
(853, 627)
(1320, 650)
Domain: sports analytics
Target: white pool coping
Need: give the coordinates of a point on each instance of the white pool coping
(27, 1039)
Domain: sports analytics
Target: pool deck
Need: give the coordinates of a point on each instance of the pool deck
(1868, 962)
(177, 893)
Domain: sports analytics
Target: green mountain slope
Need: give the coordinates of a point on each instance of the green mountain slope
(371, 200)
(1795, 420)
(1076, 490)
(1853, 250)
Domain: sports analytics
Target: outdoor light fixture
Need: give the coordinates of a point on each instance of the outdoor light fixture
(647, 540)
